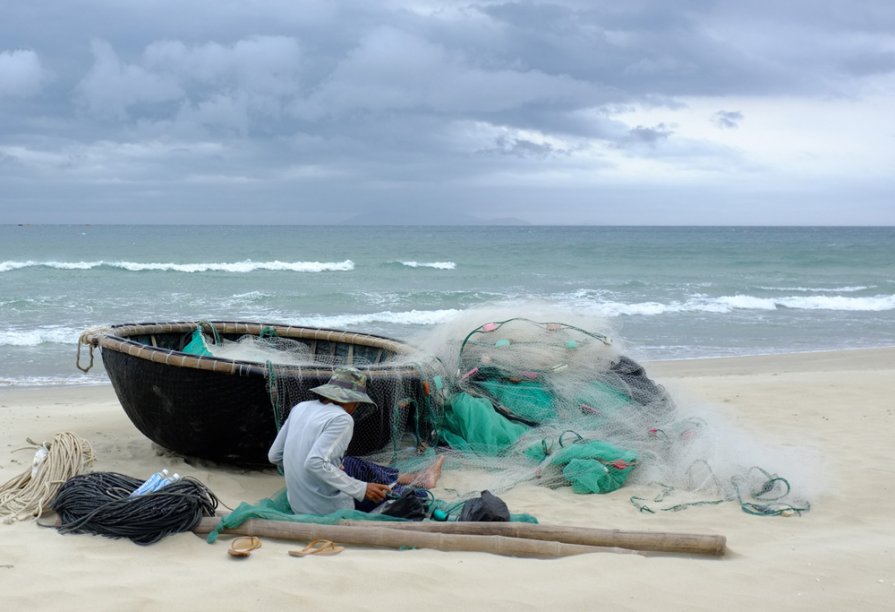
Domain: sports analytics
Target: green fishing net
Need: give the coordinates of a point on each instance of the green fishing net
(551, 404)
(471, 424)
(277, 508)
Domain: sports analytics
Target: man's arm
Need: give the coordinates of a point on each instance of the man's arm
(275, 454)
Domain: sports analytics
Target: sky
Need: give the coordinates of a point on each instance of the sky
(643, 112)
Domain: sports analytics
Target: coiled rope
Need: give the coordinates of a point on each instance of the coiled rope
(100, 503)
(25, 496)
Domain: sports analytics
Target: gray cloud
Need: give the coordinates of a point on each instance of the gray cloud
(112, 87)
(727, 119)
(362, 104)
(650, 135)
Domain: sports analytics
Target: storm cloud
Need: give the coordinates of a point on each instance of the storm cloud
(554, 112)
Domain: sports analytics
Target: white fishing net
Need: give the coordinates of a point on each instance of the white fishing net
(549, 401)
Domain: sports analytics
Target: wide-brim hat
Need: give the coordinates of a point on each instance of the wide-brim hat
(346, 386)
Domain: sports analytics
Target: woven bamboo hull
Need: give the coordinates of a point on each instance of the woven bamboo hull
(221, 410)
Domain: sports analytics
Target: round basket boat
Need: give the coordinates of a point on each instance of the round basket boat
(229, 410)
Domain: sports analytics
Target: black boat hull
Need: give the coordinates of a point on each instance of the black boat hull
(226, 411)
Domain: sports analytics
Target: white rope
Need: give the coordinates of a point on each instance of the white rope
(25, 496)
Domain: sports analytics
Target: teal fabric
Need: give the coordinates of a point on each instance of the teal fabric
(197, 345)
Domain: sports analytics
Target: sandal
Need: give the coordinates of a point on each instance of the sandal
(318, 547)
(243, 546)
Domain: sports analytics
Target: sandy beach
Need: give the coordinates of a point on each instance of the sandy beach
(837, 407)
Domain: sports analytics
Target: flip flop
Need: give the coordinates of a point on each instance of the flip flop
(318, 547)
(243, 546)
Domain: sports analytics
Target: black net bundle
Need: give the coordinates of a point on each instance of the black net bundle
(100, 503)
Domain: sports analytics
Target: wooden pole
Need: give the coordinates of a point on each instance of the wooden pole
(686, 543)
(370, 535)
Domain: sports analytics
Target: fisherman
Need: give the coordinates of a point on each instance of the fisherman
(311, 445)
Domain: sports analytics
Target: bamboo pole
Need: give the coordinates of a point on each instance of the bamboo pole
(396, 538)
(687, 543)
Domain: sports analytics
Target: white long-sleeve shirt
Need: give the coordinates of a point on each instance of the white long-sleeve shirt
(310, 447)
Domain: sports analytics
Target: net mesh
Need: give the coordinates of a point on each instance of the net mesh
(569, 409)
(526, 401)
(551, 403)
(408, 406)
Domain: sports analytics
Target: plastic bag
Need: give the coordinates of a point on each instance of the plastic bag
(486, 508)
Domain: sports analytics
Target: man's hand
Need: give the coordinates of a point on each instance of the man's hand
(376, 492)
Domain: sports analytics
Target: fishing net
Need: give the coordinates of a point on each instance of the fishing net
(276, 508)
(527, 401)
(264, 348)
(406, 388)
(557, 405)
(551, 403)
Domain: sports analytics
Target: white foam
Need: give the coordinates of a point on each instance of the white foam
(251, 295)
(236, 267)
(730, 303)
(438, 265)
(874, 303)
(40, 335)
(408, 317)
(6, 266)
(55, 381)
(849, 289)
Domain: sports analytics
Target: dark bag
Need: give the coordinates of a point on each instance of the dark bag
(487, 508)
(407, 505)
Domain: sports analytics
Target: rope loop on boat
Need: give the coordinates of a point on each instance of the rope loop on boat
(78, 359)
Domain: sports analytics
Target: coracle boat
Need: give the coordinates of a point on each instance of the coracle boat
(185, 392)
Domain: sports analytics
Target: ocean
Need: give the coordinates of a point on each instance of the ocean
(660, 292)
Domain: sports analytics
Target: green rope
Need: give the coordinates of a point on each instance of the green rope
(498, 324)
(276, 401)
(636, 501)
(777, 509)
(268, 332)
(214, 332)
(579, 437)
(765, 492)
(768, 486)
(416, 418)
(427, 380)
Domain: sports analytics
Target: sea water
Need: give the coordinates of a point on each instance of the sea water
(662, 292)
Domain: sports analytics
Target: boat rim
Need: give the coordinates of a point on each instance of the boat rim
(116, 338)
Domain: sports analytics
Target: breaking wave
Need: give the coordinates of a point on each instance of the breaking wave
(236, 267)
(410, 317)
(731, 303)
(40, 335)
(438, 265)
